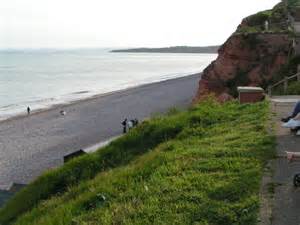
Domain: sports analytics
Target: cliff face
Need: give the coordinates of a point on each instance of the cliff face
(246, 59)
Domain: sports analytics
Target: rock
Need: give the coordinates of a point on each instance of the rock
(225, 97)
(245, 59)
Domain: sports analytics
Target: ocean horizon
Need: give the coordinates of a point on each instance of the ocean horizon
(41, 78)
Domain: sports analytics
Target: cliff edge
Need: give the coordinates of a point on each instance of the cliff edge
(256, 51)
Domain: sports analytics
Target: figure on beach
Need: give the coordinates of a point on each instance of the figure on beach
(135, 122)
(129, 124)
(124, 124)
(28, 110)
(62, 112)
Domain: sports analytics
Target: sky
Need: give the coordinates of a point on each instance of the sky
(121, 23)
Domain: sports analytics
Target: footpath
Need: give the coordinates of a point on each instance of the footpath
(286, 202)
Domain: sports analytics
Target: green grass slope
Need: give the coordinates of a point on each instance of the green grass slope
(202, 166)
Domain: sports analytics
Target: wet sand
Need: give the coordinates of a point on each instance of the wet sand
(32, 144)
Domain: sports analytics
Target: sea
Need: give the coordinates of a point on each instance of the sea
(42, 78)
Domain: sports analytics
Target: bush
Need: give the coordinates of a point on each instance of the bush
(276, 17)
(259, 18)
(293, 3)
(289, 69)
(294, 89)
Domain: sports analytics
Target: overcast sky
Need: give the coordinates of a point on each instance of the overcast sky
(121, 23)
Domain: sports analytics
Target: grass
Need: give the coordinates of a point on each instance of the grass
(294, 88)
(201, 166)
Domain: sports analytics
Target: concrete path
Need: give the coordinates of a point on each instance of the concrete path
(286, 209)
(33, 144)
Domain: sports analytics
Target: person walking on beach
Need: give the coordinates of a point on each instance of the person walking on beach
(28, 110)
(130, 124)
(124, 124)
(62, 112)
(136, 122)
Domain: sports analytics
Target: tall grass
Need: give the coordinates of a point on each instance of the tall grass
(118, 153)
(202, 166)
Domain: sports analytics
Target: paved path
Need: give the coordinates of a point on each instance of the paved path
(31, 145)
(286, 210)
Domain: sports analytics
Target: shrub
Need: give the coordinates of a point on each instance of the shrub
(289, 69)
(276, 17)
(294, 88)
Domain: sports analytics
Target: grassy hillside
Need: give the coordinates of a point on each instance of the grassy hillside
(202, 166)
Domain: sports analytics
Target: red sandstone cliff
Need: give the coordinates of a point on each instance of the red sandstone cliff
(246, 59)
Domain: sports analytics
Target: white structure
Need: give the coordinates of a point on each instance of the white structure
(297, 27)
(266, 25)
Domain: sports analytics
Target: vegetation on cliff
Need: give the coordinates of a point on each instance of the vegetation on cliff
(276, 17)
(254, 55)
(293, 3)
(289, 69)
(201, 166)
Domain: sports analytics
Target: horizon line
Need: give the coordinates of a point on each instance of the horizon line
(100, 47)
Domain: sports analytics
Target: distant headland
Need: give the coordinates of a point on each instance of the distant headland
(175, 49)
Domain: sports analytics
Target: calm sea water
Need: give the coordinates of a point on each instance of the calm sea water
(42, 78)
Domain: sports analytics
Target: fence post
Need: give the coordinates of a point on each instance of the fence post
(298, 76)
(270, 90)
(286, 83)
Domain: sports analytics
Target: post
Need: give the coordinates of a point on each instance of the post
(298, 76)
(286, 83)
(270, 90)
(294, 43)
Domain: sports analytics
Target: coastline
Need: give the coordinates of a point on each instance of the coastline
(90, 98)
(30, 145)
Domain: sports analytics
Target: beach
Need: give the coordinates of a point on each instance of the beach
(30, 145)
(68, 75)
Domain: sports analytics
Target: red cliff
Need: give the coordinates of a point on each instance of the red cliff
(248, 58)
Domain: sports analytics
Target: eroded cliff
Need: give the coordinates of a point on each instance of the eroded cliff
(250, 57)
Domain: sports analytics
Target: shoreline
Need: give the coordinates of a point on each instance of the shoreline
(90, 98)
(31, 145)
